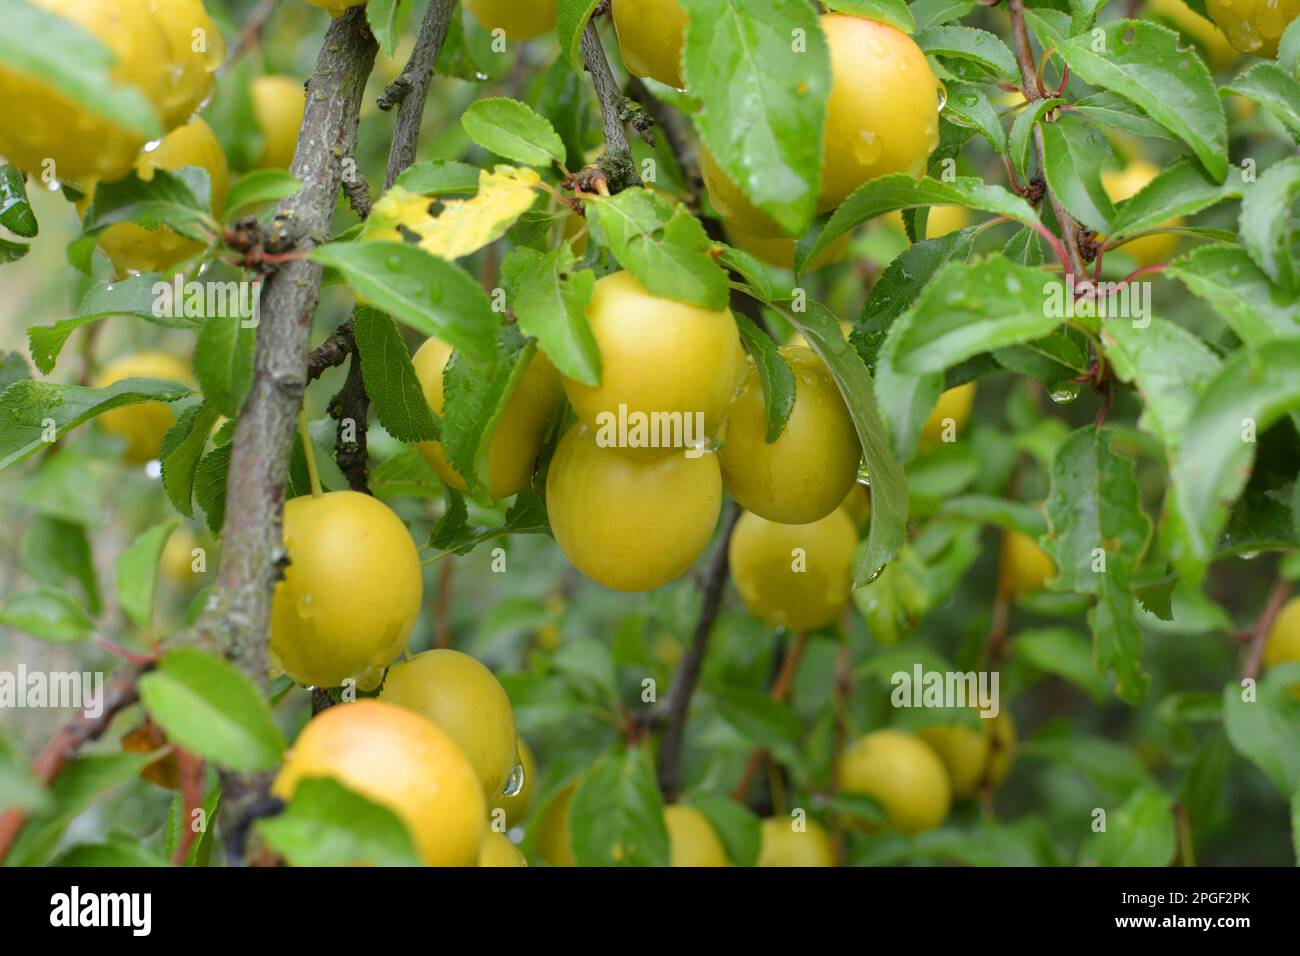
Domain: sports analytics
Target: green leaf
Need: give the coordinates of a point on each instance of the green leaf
(959, 46)
(1098, 535)
(736, 825)
(761, 720)
(15, 209)
(821, 330)
(13, 368)
(76, 64)
(67, 486)
(762, 99)
(180, 199)
(773, 373)
(440, 177)
(549, 297)
(453, 533)
(136, 296)
(1183, 189)
(474, 401)
(588, 666)
(1000, 512)
(1213, 460)
(1112, 768)
(571, 18)
(662, 245)
(12, 251)
(431, 295)
(1142, 62)
(80, 782)
(1168, 365)
(326, 824)
(182, 447)
(1065, 653)
(893, 12)
(1226, 278)
(514, 130)
(1022, 132)
(1267, 85)
(116, 851)
(406, 474)
(895, 601)
(212, 709)
(1140, 832)
(969, 308)
(900, 191)
(859, 806)
(1266, 730)
(34, 414)
(137, 572)
(210, 486)
(386, 18)
(1264, 213)
(1111, 110)
(1073, 151)
(969, 106)
(259, 187)
(48, 613)
(200, 851)
(223, 362)
(390, 377)
(616, 817)
(931, 13)
(55, 551)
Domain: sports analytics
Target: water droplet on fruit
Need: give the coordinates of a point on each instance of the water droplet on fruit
(515, 782)
(942, 92)
(306, 607)
(867, 148)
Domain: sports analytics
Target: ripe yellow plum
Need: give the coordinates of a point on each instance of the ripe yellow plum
(464, 698)
(903, 773)
(400, 761)
(975, 757)
(806, 473)
(349, 598)
(630, 523)
(692, 838)
(795, 576)
(144, 424)
(784, 845)
(651, 35)
(278, 105)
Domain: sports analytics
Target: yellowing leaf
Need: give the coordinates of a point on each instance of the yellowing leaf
(453, 228)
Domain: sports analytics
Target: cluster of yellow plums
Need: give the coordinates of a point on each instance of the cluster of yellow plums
(167, 50)
(438, 748)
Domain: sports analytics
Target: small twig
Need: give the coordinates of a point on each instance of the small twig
(192, 773)
(615, 168)
(334, 351)
(1259, 636)
(415, 80)
(687, 674)
(357, 191)
(780, 691)
(120, 691)
(351, 409)
(320, 700)
(250, 35)
(1186, 851)
(677, 132)
(1031, 89)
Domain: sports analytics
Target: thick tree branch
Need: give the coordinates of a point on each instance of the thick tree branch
(615, 169)
(1029, 82)
(238, 613)
(119, 693)
(688, 671)
(415, 80)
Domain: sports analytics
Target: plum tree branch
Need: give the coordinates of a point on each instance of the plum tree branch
(120, 691)
(687, 675)
(416, 79)
(1277, 597)
(677, 132)
(781, 687)
(615, 166)
(1032, 91)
